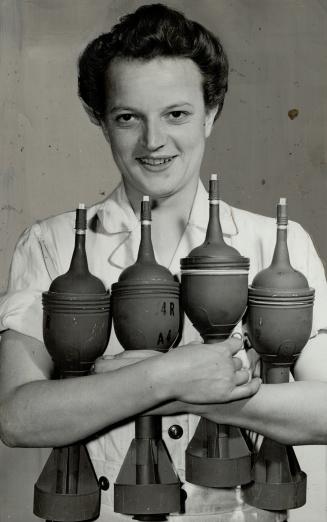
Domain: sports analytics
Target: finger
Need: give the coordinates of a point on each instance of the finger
(247, 390)
(237, 363)
(237, 335)
(242, 376)
(235, 345)
(254, 359)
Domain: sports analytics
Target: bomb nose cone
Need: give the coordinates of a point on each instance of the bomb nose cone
(280, 274)
(145, 300)
(280, 278)
(218, 250)
(214, 279)
(146, 269)
(71, 283)
(146, 273)
(78, 279)
(214, 248)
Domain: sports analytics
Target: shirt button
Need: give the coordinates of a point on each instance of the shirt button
(175, 431)
(104, 483)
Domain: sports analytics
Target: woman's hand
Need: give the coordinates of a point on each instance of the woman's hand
(206, 373)
(194, 373)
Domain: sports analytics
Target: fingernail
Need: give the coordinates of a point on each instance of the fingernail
(237, 335)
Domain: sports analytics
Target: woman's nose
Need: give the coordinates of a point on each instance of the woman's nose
(154, 136)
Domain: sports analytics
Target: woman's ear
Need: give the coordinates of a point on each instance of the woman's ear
(210, 120)
(105, 130)
(90, 114)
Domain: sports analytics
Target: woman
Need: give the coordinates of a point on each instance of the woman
(155, 84)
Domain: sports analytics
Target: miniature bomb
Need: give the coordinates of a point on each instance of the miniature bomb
(146, 315)
(76, 330)
(214, 290)
(279, 321)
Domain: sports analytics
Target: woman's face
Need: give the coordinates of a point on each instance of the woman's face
(156, 123)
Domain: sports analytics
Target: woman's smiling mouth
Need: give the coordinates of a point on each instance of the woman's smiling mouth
(156, 163)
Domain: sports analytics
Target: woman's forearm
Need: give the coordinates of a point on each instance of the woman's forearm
(292, 413)
(59, 412)
(37, 411)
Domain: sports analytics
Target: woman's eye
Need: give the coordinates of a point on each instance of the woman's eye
(125, 118)
(178, 116)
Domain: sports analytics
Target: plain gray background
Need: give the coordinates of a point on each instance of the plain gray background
(52, 157)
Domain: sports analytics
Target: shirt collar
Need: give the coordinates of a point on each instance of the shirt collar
(117, 215)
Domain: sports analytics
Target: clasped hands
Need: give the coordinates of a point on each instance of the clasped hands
(194, 373)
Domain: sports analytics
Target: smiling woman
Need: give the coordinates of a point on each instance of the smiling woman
(156, 83)
(156, 123)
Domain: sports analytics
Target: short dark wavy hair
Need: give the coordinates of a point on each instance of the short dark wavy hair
(152, 31)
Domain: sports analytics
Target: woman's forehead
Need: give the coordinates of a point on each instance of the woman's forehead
(159, 81)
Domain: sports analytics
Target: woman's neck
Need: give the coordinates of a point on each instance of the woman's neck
(170, 216)
(178, 204)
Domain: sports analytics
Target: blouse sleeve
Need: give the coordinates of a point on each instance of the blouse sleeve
(30, 275)
(317, 280)
(306, 259)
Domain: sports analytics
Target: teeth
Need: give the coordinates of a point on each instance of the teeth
(155, 161)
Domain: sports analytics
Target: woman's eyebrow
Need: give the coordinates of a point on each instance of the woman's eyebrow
(122, 108)
(178, 104)
(134, 109)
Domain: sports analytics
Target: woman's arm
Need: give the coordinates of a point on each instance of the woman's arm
(36, 411)
(293, 413)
